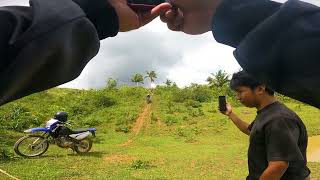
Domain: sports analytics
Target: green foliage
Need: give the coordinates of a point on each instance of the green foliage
(168, 83)
(170, 120)
(219, 79)
(137, 78)
(111, 83)
(125, 124)
(18, 118)
(201, 93)
(152, 75)
(192, 103)
(195, 112)
(140, 164)
(5, 154)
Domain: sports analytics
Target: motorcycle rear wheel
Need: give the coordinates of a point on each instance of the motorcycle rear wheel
(84, 146)
(31, 146)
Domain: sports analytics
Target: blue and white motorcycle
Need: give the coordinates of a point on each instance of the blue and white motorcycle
(55, 131)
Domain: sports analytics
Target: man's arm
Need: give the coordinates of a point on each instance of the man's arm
(275, 170)
(242, 125)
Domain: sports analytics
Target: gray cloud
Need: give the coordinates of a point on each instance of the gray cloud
(137, 52)
(129, 53)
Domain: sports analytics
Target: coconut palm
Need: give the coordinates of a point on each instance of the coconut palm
(137, 78)
(219, 79)
(152, 75)
(168, 82)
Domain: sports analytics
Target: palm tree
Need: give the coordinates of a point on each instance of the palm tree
(137, 78)
(168, 82)
(219, 79)
(151, 75)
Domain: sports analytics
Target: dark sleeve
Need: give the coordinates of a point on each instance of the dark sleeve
(276, 43)
(281, 138)
(250, 126)
(49, 43)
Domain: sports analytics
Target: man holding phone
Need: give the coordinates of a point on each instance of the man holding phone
(278, 137)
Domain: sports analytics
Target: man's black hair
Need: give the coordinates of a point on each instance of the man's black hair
(242, 78)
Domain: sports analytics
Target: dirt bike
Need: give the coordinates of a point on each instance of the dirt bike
(55, 131)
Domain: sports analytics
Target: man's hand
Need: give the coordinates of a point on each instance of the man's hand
(228, 111)
(190, 16)
(130, 20)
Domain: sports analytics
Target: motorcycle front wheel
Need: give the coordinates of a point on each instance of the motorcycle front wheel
(31, 146)
(83, 146)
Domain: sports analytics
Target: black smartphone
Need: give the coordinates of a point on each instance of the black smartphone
(144, 5)
(222, 103)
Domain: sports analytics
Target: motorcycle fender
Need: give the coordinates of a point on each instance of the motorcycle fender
(32, 130)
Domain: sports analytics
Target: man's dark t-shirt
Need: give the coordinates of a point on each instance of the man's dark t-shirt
(278, 134)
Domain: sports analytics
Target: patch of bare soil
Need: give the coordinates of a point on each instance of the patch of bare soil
(119, 158)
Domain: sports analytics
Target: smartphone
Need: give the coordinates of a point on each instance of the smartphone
(222, 103)
(144, 5)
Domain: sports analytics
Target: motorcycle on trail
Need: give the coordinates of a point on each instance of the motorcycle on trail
(56, 131)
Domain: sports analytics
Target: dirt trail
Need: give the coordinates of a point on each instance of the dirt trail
(140, 122)
(141, 119)
(313, 152)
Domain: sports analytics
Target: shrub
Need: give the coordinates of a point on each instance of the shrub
(5, 154)
(139, 164)
(192, 103)
(19, 118)
(196, 112)
(201, 94)
(170, 120)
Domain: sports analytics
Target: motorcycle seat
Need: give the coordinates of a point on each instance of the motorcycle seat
(83, 130)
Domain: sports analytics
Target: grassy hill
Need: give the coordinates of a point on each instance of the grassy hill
(181, 135)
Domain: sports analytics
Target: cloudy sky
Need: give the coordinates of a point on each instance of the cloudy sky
(181, 58)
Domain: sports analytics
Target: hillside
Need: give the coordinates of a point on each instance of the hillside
(181, 135)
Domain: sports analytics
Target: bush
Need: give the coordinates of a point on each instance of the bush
(181, 95)
(19, 118)
(5, 154)
(196, 112)
(139, 164)
(123, 128)
(170, 120)
(201, 94)
(192, 103)
(102, 100)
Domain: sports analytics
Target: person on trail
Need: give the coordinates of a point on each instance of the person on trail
(148, 99)
(278, 137)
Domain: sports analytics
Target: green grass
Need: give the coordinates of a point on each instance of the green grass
(195, 143)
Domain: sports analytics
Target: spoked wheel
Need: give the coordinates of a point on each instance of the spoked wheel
(83, 146)
(31, 146)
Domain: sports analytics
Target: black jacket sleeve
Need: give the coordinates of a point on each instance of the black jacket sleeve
(49, 43)
(279, 44)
